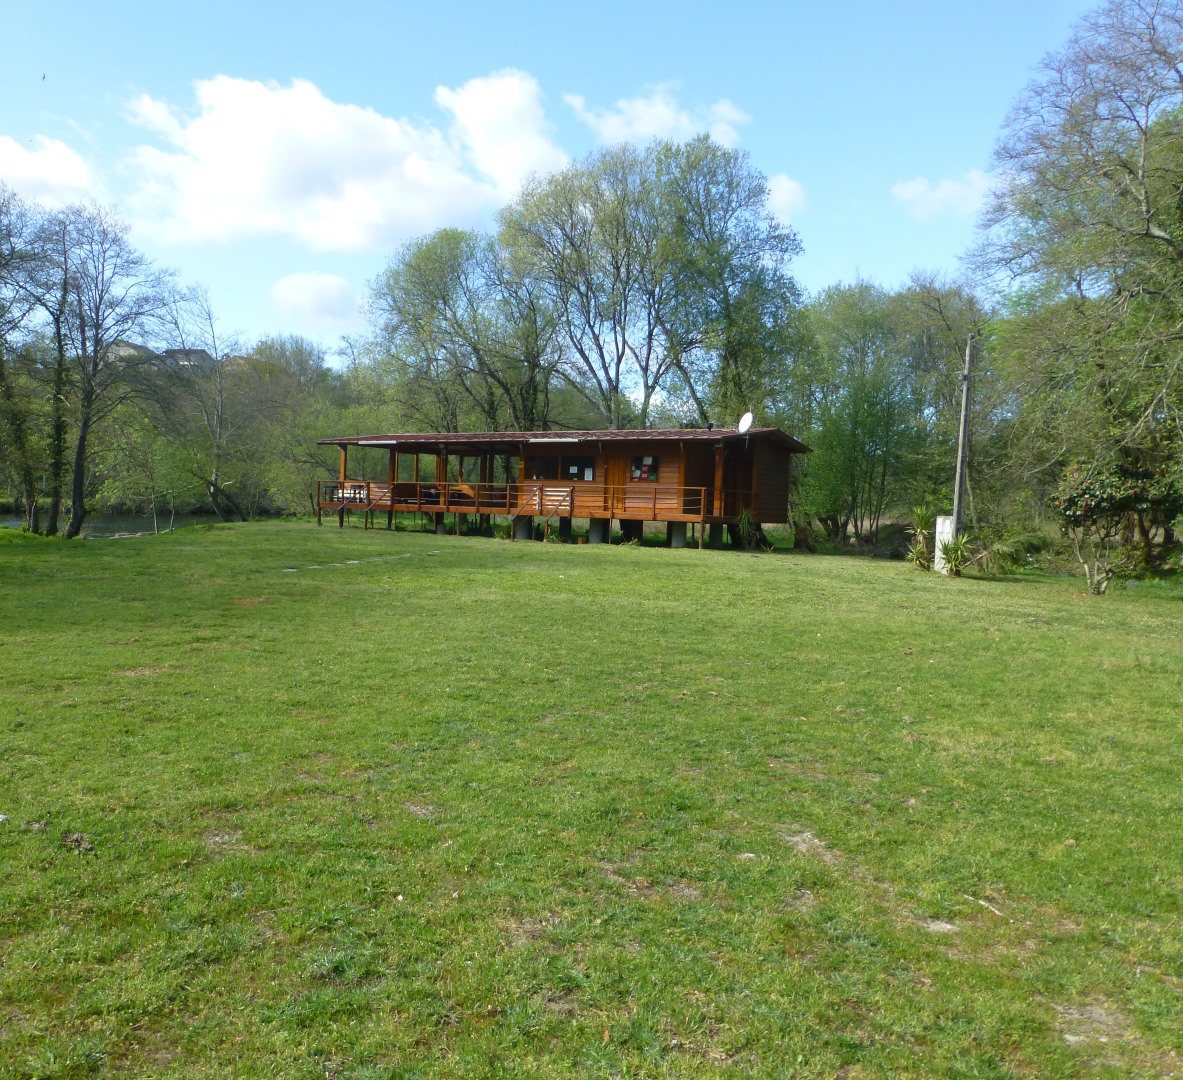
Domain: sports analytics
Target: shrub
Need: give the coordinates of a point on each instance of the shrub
(1096, 502)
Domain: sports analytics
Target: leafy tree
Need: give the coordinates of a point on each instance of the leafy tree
(18, 450)
(734, 324)
(145, 470)
(1095, 502)
(864, 434)
(469, 333)
(295, 399)
(1088, 225)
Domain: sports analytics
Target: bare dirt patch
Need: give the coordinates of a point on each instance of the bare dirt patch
(938, 926)
(522, 931)
(422, 810)
(800, 900)
(637, 887)
(805, 843)
(228, 840)
(78, 842)
(1093, 1022)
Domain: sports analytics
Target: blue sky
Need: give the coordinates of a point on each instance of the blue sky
(279, 153)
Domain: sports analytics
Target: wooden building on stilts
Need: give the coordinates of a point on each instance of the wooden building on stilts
(710, 477)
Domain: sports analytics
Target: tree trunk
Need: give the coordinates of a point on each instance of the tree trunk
(57, 430)
(78, 486)
(223, 502)
(1143, 533)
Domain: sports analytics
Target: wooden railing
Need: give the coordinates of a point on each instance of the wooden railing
(535, 498)
(547, 502)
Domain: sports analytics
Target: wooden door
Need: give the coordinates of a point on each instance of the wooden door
(616, 476)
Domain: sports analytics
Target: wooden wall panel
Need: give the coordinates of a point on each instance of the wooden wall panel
(772, 480)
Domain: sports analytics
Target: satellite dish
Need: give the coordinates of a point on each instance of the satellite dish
(745, 422)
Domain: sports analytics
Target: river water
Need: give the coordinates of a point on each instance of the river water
(105, 526)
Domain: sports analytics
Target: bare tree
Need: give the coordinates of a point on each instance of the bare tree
(193, 395)
(115, 295)
(591, 236)
(1086, 221)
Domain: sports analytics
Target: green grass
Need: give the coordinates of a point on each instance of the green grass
(393, 805)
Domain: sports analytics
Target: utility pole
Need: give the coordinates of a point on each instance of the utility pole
(963, 439)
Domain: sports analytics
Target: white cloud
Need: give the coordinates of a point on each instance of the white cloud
(659, 116)
(51, 173)
(786, 197)
(924, 200)
(322, 302)
(258, 158)
(500, 122)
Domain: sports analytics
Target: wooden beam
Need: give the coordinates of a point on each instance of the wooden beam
(755, 486)
(391, 476)
(717, 502)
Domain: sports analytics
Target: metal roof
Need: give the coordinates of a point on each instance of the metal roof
(512, 442)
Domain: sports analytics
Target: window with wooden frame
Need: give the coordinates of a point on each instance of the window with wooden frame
(542, 468)
(579, 468)
(645, 469)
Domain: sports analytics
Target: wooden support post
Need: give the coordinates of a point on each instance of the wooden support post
(341, 488)
(717, 508)
(391, 477)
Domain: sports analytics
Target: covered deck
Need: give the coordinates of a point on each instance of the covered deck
(701, 475)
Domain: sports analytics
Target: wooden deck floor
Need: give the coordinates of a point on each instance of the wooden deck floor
(545, 499)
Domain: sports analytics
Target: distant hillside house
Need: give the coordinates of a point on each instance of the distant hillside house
(191, 360)
(703, 476)
(128, 353)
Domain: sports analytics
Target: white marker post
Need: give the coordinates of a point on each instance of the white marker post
(946, 531)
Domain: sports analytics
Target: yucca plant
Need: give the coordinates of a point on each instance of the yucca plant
(956, 554)
(924, 520)
(747, 527)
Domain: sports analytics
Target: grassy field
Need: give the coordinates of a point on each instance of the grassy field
(293, 802)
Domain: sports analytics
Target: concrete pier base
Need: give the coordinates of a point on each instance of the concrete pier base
(598, 531)
(565, 529)
(440, 528)
(523, 528)
(715, 536)
(675, 534)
